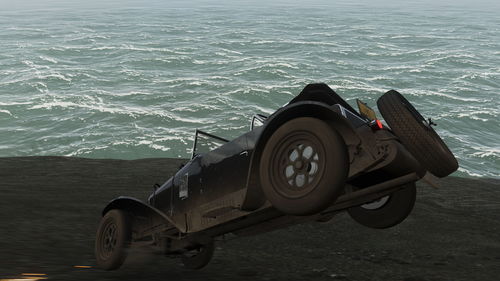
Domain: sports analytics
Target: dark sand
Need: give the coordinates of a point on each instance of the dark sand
(50, 207)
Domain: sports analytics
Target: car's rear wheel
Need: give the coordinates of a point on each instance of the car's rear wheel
(387, 211)
(200, 257)
(113, 239)
(417, 134)
(304, 166)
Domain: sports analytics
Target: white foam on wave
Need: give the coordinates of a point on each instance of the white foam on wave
(294, 42)
(193, 120)
(457, 58)
(386, 46)
(216, 77)
(283, 64)
(40, 86)
(159, 147)
(55, 75)
(470, 173)
(169, 138)
(374, 78)
(472, 115)
(150, 49)
(199, 62)
(349, 85)
(415, 92)
(231, 51)
(488, 152)
(34, 66)
(14, 103)
(153, 145)
(49, 59)
(474, 75)
(176, 81)
(195, 107)
(394, 67)
(260, 109)
(86, 150)
(268, 67)
(104, 48)
(125, 94)
(17, 28)
(77, 49)
(14, 81)
(124, 110)
(5, 111)
(184, 109)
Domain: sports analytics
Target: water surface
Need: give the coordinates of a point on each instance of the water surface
(133, 79)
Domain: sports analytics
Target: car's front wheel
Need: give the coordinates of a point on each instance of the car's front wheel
(304, 166)
(387, 211)
(113, 239)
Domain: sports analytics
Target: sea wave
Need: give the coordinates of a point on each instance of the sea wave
(96, 84)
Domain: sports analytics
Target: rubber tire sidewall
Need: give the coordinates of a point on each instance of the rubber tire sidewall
(336, 169)
(201, 259)
(393, 212)
(124, 229)
(420, 140)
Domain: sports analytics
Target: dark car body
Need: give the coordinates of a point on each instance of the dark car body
(219, 192)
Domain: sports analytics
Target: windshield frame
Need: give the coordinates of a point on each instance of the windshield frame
(203, 133)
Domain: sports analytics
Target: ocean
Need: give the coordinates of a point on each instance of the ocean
(134, 79)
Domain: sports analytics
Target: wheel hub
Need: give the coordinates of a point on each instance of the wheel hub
(110, 236)
(376, 204)
(300, 166)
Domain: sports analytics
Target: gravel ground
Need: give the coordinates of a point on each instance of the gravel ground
(50, 208)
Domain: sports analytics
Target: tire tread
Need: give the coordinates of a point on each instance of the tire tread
(423, 143)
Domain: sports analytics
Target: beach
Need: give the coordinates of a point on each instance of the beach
(50, 208)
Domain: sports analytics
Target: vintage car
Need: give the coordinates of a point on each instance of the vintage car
(312, 158)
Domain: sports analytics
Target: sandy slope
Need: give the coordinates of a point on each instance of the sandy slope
(50, 206)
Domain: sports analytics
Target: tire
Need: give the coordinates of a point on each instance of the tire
(416, 134)
(387, 211)
(200, 258)
(303, 166)
(113, 239)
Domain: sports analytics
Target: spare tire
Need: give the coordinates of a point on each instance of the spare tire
(417, 134)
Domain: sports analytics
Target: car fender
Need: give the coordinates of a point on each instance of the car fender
(139, 208)
(255, 197)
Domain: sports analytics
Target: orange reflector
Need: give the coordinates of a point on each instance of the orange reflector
(379, 124)
(29, 276)
(82, 266)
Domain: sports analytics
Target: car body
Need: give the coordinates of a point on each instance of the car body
(236, 187)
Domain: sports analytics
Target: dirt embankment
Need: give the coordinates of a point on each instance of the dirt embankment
(50, 207)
